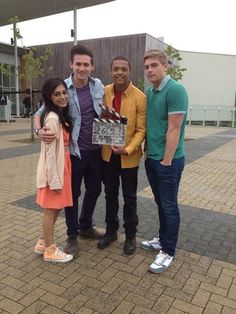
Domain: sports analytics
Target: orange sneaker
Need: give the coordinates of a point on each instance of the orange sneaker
(56, 255)
(39, 247)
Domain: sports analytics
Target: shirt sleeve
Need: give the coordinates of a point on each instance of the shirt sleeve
(177, 100)
(40, 111)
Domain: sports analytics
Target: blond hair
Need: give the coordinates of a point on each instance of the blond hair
(156, 53)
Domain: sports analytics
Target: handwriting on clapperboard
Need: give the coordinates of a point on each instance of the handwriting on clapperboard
(108, 133)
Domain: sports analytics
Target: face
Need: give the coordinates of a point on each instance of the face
(120, 72)
(155, 71)
(60, 96)
(81, 67)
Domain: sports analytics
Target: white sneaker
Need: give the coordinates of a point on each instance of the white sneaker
(153, 245)
(161, 263)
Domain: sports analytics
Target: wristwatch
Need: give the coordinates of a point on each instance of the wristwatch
(36, 131)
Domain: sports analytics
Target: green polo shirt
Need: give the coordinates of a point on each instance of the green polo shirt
(169, 98)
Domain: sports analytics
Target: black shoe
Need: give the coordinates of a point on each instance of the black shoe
(90, 233)
(130, 246)
(106, 240)
(72, 246)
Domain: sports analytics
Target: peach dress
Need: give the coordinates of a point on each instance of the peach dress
(49, 199)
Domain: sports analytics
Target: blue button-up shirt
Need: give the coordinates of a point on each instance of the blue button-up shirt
(97, 92)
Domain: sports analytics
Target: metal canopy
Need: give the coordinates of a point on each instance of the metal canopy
(31, 9)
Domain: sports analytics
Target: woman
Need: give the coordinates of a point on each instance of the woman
(54, 168)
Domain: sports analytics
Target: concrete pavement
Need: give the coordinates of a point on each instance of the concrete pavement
(202, 279)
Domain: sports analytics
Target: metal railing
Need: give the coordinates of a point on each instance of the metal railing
(217, 113)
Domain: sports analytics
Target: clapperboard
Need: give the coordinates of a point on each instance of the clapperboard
(110, 131)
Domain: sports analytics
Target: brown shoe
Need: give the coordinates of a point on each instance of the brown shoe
(90, 233)
(106, 240)
(72, 246)
(130, 245)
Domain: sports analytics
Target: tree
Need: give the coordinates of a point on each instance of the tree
(16, 30)
(33, 66)
(175, 70)
(5, 69)
(140, 84)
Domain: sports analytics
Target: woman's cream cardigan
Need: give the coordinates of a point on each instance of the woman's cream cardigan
(50, 170)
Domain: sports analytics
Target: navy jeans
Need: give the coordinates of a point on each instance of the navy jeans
(89, 168)
(164, 181)
(112, 172)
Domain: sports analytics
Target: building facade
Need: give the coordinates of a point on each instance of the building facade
(210, 78)
(7, 74)
(104, 49)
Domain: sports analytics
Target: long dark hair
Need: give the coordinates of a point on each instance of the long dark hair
(48, 88)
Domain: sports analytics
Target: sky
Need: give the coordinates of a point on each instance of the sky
(187, 25)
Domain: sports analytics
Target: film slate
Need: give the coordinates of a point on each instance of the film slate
(109, 131)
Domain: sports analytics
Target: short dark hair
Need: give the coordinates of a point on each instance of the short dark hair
(80, 50)
(120, 58)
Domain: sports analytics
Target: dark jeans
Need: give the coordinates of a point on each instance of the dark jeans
(164, 181)
(89, 168)
(112, 172)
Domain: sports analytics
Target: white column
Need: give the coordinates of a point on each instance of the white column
(75, 25)
(16, 71)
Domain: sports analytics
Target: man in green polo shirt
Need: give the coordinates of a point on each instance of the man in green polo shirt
(167, 103)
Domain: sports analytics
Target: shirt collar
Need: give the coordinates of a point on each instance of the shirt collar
(162, 84)
(127, 91)
(70, 81)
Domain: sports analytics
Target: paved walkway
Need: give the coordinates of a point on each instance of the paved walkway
(202, 279)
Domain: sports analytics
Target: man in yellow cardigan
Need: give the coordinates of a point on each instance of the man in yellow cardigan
(123, 162)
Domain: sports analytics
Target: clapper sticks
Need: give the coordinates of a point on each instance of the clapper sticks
(109, 131)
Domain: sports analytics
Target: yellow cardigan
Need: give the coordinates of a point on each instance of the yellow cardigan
(50, 170)
(133, 106)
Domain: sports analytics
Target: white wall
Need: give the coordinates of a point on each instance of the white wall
(210, 79)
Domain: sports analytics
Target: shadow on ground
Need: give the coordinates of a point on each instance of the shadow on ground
(202, 231)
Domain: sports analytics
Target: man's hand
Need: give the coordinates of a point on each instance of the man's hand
(106, 114)
(46, 136)
(56, 190)
(119, 150)
(166, 163)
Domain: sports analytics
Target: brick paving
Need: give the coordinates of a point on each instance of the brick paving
(210, 181)
(106, 281)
